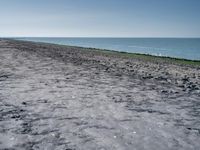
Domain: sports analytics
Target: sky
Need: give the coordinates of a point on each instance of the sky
(99, 18)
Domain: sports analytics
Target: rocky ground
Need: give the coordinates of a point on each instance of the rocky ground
(56, 97)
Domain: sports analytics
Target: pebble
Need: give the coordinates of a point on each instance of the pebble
(134, 132)
(164, 91)
(185, 79)
(24, 103)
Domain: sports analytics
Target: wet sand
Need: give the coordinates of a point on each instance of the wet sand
(59, 97)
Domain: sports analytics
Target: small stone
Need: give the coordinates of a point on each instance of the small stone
(24, 103)
(193, 75)
(134, 132)
(15, 116)
(181, 86)
(12, 138)
(164, 91)
(185, 79)
(169, 80)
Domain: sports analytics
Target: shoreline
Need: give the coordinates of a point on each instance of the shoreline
(63, 97)
(129, 54)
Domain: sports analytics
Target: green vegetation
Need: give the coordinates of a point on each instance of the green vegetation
(151, 57)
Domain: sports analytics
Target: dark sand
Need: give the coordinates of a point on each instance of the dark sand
(56, 97)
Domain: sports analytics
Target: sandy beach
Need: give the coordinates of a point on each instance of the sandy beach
(72, 98)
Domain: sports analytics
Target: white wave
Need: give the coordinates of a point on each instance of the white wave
(145, 47)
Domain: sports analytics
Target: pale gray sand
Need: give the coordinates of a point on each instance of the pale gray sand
(75, 101)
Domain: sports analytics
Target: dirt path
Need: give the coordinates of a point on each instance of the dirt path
(49, 104)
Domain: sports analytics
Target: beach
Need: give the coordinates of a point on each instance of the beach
(63, 97)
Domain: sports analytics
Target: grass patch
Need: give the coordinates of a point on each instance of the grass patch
(151, 57)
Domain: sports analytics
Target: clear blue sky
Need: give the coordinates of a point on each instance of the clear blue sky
(100, 18)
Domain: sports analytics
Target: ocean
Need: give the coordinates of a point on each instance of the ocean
(187, 48)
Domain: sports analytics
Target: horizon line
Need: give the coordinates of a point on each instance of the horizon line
(91, 37)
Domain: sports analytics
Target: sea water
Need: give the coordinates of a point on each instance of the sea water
(187, 48)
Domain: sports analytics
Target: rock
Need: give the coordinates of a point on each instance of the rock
(193, 75)
(147, 76)
(161, 78)
(181, 85)
(185, 79)
(169, 80)
(132, 70)
(192, 87)
(3, 76)
(107, 69)
(15, 116)
(24, 103)
(128, 95)
(164, 91)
